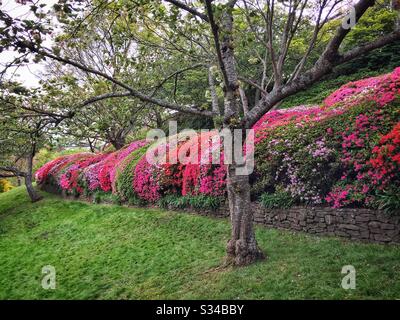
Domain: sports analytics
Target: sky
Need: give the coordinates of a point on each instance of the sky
(28, 75)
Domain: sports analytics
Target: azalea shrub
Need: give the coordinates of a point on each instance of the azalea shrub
(124, 176)
(195, 176)
(326, 154)
(70, 181)
(344, 152)
(371, 172)
(55, 173)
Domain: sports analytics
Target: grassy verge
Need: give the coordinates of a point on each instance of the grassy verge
(112, 252)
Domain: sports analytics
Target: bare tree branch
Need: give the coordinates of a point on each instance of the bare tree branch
(213, 92)
(215, 32)
(356, 52)
(11, 172)
(191, 10)
(198, 65)
(253, 84)
(141, 96)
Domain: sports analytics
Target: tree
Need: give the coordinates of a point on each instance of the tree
(25, 126)
(275, 25)
(99, 123)
(99, 45)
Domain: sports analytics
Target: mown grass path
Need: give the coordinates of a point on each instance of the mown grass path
(113, 252)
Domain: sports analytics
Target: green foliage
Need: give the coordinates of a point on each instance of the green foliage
(375, 63)
(278, 200)
(106, 197)
(124, 179)
(190, 121)
(98, 196)
(376, 21)
(184, 202)
(43, 156)
(319, 91)
(388, 201)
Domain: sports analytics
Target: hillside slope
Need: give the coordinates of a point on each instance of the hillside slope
(114, 252)
(345, 152)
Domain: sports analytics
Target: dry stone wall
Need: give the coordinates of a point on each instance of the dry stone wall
(356, 224)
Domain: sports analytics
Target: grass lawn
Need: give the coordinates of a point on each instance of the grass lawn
(112, 252)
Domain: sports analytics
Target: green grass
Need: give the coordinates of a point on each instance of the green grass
(112, 252)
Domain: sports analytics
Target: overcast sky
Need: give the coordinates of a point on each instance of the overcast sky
(30, 74)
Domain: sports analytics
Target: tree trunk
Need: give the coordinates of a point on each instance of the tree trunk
(118, 143)
(159, 120)
(242, 249)
(91, 145)
(28, 181)
(213, 92)
(31, 190)
(396, 7)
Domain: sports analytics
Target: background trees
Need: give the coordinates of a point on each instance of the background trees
(27, 123)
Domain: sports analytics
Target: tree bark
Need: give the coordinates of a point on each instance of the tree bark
(245, 102)
(159, 120)
(117, 138)
(91, 145)
(31, 190)
(28, 181)
(118, 143)
(213, 92)
(242, 249)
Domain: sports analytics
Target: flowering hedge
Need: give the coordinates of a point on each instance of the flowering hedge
(324, 154)
(345, 152)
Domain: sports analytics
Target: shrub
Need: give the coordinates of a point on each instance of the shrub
(70, 180)
(388, 201)
(120, 163)
(5, 185)
(98, 196)
(146, 181)
(366, 168)
(45, 155)
(124, 176)
(197, 202)
(322, 153)
(278, 200)
(153, 181)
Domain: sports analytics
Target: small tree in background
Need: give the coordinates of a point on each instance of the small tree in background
(26, 125)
